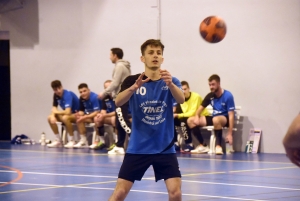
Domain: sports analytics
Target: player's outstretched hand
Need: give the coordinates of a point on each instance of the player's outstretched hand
(166, 76)
(139, 82)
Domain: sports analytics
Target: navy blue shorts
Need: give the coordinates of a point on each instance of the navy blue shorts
(209, 121)
(134, 166)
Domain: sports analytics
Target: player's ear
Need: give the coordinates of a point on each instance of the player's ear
(143, 59)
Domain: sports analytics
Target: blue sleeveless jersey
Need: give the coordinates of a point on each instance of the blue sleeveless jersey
(152, 117)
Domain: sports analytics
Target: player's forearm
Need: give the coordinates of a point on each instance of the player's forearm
(231, 123)
(124, 96)
(177, 93)
(111, 114)
(199, 110)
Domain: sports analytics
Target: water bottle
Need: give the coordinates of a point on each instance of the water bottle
(43, 139)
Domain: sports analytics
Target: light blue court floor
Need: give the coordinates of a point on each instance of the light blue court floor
(38, 173)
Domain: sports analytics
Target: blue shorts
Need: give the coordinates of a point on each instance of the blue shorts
(134, 166)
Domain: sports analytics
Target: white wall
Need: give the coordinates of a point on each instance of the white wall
(70, 40)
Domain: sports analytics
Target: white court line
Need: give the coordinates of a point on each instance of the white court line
(244, 185)
(151, 178)
(57, 174)
(112, 189)
(105, 154)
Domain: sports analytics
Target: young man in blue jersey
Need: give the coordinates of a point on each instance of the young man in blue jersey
(120, 72)
(90, 105)
(105, 116)
(151, 96)
(69, 104)
(223, 114)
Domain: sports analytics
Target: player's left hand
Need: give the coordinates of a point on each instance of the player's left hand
(229, 137)
(166, 76)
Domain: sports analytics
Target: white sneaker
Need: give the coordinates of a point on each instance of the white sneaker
(116, 150)
(200, 150)
(55, 143)
(92, 146)
(81, 144)
(219, 151)
(70, 144)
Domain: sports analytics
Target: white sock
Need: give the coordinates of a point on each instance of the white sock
(176, 143)
(191, 144)
(102, 139)
(115, 137)
(71, 138)
(57, 137)
(82, 137)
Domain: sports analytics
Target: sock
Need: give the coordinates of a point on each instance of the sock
(115, 137)
(197, 134)
(191, 144)
(57, 137)
(176, 143)
(71, 138)
(82, 137)
(101, 130)
(102, 139)
(218, 134)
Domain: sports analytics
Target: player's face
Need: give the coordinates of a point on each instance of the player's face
(214, 86)
(84, 93)
(186, 91)
(58, 91)
(113, 57)
(152, 57)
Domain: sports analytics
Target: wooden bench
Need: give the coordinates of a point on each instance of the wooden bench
(212, 144)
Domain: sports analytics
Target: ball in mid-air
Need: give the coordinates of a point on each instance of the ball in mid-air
(213, 29)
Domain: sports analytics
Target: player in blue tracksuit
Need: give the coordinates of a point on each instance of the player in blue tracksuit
(151, 96)
(223, 105)
(69, 104)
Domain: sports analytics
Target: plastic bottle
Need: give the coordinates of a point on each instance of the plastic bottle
(43, 139)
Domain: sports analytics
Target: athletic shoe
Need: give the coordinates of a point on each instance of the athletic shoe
(81, 144)
(99, 146)
(200, 150)
(70, 144)
(55, 143)
(188, 148)
(117, 150)
(111, 147)
(92, 146)
(219, 151)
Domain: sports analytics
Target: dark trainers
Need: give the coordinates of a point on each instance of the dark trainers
(177, 148)
(100, 146)
(111, 147)
(188, 148)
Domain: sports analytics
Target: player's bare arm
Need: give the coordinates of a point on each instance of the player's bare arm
(125, 95)
(176, 92)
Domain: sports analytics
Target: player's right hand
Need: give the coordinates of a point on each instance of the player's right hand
(139, 82)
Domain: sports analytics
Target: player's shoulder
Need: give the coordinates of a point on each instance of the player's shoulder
(227, 93)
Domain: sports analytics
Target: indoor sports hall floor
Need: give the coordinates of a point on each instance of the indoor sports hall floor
(34, 172)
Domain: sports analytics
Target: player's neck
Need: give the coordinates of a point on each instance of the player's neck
(153, 73)
(219, 92)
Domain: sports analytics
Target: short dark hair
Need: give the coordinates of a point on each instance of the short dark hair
(214, 77)
(55, 84)
(185, 83)
(117, 51)
(152, 42)
(82, 85)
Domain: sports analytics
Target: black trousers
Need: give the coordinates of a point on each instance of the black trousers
(123, 124)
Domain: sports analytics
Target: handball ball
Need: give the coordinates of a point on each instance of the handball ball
(213, 29)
